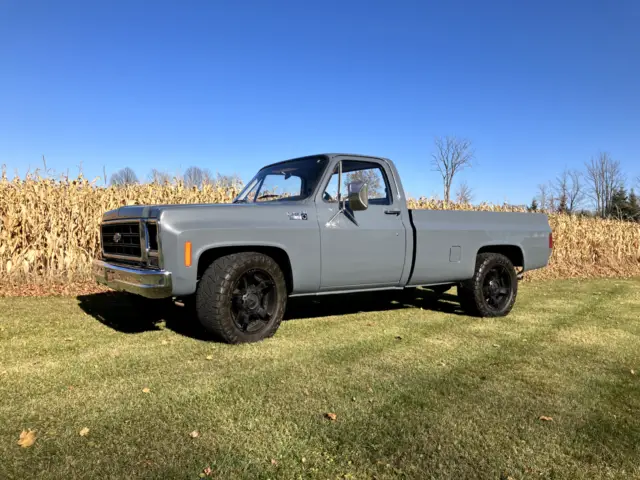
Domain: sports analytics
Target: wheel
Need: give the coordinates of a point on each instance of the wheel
(241, 297)
(492, 290)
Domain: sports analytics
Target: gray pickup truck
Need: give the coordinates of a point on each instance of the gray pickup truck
(315, 225)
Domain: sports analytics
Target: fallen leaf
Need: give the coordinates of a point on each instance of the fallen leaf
(146, 390)
(398, 337)
(353, 399)
(546, 419)
(70, 387)
(4, 372)
(633, 372)
(331, 416)
(496, 345)
(274, 462)
(209, 357)
(207, 471)
(194, 434)
(371, 324)
(84, 432)
(68, 339)
(27, 438)
(306, 392)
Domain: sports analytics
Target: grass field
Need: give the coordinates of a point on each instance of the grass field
(418, 390)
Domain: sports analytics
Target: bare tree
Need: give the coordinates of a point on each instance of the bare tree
(369, 176)
(125, 176)
(159, 177)
(229, 180)
(552, 201)
(197, 177)
(561, 190)
(464, 193)
(604, 177)
(452, 155)
(543, 196)
(568, 191)
(576, 191)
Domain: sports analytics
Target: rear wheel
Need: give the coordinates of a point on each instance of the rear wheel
(242, 297)
(493, 289)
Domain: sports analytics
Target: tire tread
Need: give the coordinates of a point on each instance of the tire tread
(215, 285)
(470, 291)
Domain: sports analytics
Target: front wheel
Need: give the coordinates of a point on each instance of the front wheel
(493, 289)
(241, 298)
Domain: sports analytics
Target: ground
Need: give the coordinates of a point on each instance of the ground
(418, 389)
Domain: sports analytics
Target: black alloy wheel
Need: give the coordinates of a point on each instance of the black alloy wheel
(254, 300)
(241, 297)
(492, 290)
(496, 287)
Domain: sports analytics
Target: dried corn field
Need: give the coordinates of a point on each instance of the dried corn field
(49, 229)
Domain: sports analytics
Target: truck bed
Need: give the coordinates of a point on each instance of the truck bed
(446, 242)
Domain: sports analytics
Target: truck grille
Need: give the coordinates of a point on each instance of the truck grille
(122, 239)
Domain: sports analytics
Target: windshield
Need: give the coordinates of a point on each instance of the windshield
(291, 180)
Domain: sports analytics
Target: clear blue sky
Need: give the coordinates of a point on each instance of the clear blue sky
(231, 85)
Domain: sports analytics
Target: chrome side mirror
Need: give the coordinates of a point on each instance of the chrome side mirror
(358, 196)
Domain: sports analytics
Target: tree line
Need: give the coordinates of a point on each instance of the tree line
(601, 189)
(192, 177)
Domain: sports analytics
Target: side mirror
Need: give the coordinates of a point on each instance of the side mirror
(358, 196)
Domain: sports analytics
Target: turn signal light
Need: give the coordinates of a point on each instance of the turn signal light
(187, 254)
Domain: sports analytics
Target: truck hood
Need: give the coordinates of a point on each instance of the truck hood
(154, 211)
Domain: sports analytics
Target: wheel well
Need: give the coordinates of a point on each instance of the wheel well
(280, 256)
(512, 252)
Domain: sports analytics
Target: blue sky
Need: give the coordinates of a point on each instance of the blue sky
(232, 85)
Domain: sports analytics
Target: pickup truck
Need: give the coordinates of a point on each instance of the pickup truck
(315, 225)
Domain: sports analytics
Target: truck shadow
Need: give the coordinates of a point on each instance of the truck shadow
(346, 304)
(128, 314)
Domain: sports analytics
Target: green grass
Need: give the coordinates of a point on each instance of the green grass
(454, 397)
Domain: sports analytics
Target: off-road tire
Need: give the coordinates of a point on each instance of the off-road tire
(471, 294)
(214, 296)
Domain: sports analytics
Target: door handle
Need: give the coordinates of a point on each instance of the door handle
(392, 211)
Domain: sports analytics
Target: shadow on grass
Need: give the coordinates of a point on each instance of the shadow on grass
(346, 304)
(128, 313)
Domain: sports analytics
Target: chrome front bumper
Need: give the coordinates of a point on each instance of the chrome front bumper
(144, 282)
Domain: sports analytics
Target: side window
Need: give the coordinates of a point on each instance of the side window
(353, 171)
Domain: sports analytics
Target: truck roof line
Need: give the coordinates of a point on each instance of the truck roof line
(330, 155)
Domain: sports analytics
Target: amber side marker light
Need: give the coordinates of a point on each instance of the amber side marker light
(187, 254)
